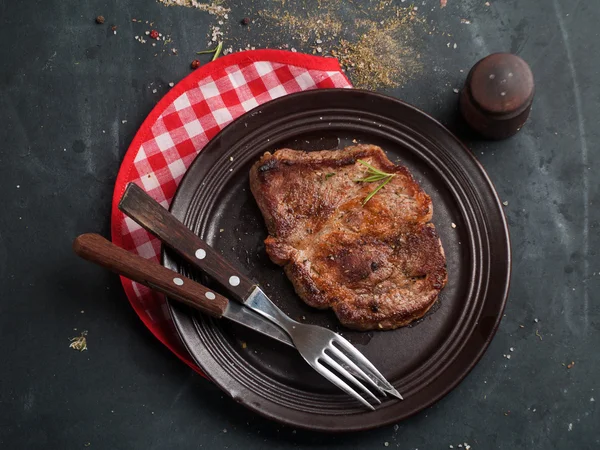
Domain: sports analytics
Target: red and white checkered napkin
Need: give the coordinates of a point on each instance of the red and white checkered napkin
(179, 127)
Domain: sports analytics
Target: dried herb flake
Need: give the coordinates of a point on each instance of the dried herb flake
(80, 342)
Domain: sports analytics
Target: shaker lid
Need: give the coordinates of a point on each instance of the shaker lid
(501, 84)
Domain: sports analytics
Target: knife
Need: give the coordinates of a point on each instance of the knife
(99, 250)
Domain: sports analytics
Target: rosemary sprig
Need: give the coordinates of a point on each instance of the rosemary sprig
(216, 51)
(374, 174)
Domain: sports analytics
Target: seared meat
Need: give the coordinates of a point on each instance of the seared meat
(379, 265)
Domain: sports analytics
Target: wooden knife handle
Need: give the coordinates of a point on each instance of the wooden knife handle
(99, 250)
(157, 220)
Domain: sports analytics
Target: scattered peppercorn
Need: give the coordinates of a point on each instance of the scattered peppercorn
(154, 34)
(113, 28)
(100, 19)
(195, 64)
(245, 20)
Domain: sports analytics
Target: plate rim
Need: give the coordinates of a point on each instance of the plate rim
(449, 386)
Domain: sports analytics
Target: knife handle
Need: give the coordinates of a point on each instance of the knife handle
(99, 250)
(149, 214)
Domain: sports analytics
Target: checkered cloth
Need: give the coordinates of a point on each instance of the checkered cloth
(179, 127)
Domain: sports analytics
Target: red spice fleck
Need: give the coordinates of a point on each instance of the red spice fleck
(195, 64)
(443, 3)
(154, 34)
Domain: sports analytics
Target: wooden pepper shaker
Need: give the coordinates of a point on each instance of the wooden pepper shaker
(497, 95)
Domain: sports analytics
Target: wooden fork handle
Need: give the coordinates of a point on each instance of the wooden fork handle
(149, 214)
(99, 250)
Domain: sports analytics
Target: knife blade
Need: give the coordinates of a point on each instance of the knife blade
(250, 319)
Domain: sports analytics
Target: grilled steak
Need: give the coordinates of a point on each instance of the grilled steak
(379, 265)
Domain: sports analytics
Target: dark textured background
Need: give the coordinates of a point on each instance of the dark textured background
(66, 85)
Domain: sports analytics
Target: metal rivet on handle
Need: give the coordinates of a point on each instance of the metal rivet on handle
(234, 281)
(178, 281)
(200, 253)
(210, 296)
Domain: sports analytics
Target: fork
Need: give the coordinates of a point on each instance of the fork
(327, 352)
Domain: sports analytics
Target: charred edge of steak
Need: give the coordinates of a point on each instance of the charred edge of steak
(390, 322)
(270, 163)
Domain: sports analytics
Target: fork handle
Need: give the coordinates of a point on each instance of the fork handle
(99, 250)
(149, 214)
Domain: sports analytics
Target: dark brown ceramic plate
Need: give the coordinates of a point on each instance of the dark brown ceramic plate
(423, 361)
